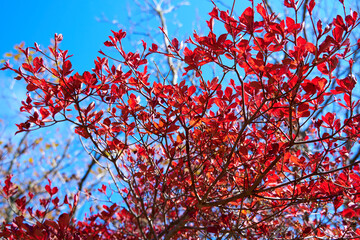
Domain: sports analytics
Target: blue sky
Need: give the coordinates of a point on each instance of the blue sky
(37, 21)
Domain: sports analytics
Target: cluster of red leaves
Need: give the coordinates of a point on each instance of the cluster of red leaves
(253, 158)
(35, 224)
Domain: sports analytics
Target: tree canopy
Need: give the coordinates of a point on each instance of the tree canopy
(251, 133)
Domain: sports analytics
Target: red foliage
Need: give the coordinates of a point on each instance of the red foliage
(253, 153)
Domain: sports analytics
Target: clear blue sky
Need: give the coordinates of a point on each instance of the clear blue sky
(37, 21)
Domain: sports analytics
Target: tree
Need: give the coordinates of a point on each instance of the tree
(32, 160)
(20, 156)
(252, 151)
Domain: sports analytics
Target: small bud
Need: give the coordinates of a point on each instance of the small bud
(37, 47)
(352, 77)
(58, 37)
(328, 28)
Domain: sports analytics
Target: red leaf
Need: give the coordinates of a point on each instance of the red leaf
(67, 68)
(81, 131)
(64, 220)
(66, 200)
(309, 87)
(348, 213)
(228, 56)
(153, 48)
(144, 44)
(228, 92)
(337, 203)
(175, 44)
(347, 99)
(132, 103)
(44, 113)
(247, 18)
(76, 199)
(349, 20)
(293, 27)
(347, 83)
(27, 67)
(31, 87)
(21, 203)
(51, 224)
(289, 4)
(224, 15)
(214, 13)
(191, 90)
(310, 6)
(319, 27)
(108, 44)
(102, 189)
(307, 230)
(54, 190)
(323, 68)
(303, 107)
(320, 83)
(31, 195)
(118, 35)
(338, 33)
(289, 22)
(261, 10)
(333, 64)
(55, 201)
(304, 114)
(328, 118)
(48, 189)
